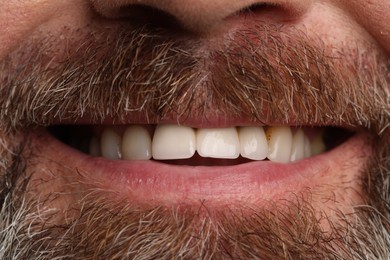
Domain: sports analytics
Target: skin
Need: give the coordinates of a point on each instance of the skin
(342, 27)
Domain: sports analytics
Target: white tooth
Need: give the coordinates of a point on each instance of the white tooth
(94, 146)
(307, 147)
(317, 145)
(136, 144)
(279, 143)
(110, 144)
(173, 142)
(253, 143)
(218, 143)
(298, 146)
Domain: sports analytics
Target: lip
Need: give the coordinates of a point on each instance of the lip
(156, 183)
(202, 119)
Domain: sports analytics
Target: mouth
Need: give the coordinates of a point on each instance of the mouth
(170, 164)
(188, 138)
(184, 145)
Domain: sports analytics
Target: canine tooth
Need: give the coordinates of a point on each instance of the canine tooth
(136, 144)
(253, 143)
(218, 143)
(317, 145)
(94, 146)
(110, 144)
(307, 147)
(279, 143)
(173, 142)
(298, 146)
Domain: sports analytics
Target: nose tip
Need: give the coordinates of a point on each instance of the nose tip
(202, 15)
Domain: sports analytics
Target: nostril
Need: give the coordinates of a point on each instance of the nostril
(267, 10)
(258, 7)
(144, 15)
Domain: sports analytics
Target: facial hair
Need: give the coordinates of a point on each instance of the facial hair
(151, 71)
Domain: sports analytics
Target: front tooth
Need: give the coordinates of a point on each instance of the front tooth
(111, 144)
(173, 142)
(136, 144)
(298, 146)
(253, 143)
(279, 143)
(218, 143)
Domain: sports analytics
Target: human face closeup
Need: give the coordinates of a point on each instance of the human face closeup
(195, 129)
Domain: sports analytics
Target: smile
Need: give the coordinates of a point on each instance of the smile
(170, 164)
(282, 144)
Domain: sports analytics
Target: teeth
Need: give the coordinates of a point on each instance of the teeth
(317, 145)
(253, 143)
(298, 146)
(307, 147)
(94, 147)
(279, 143)
(136, 144)
(173, 142)
(110, 144)
(218, 143)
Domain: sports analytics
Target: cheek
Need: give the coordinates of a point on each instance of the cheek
(374, 17)
(21, 19)
(18, 19)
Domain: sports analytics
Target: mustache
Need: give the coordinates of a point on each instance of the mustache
(264, 73)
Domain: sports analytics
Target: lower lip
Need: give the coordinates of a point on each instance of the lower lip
(153, 182)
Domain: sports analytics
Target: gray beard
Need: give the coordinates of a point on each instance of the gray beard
(108, 230)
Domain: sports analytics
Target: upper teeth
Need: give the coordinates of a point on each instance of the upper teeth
(171, 142)
(218, 143)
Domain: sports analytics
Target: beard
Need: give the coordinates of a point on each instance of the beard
(155, 74)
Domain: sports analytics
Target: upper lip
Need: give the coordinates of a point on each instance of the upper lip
(209, 119)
